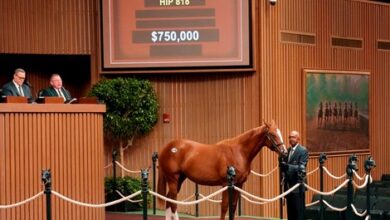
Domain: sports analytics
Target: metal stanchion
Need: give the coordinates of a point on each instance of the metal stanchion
(351, 166)
(114, 183)
(322, 160)
(301, 180)
(368, 165)
(46, 179)
(144, 186)
(114, 155)
(239, 204)
(196, 198)
(231, 173)
(154, 159)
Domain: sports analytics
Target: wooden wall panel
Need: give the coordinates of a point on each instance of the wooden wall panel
(282, 64)
(48, 27)
(68, 141)
(211, 109)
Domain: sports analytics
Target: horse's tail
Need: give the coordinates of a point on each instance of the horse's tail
(161, 185)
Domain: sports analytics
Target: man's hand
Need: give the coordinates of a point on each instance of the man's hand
(284, 166)
(301, 172)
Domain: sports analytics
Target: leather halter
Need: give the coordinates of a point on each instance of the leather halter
(275, 145)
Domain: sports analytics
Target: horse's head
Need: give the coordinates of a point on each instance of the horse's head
(274, 139)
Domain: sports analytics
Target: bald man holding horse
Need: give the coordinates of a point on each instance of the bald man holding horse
(295, 162)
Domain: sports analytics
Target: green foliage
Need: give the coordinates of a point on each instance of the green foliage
(126, 186)
(312, 98)
(132, 106)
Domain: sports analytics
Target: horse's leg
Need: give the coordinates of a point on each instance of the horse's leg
(180, 181)
(324, 122)
(235, 198)
(168, 213)
(331, 119)
(182, 177)
(172, 194)
(224, 204)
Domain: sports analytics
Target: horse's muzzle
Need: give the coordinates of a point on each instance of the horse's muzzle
(283, 152)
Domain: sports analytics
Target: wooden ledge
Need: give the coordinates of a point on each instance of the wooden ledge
(52, 108)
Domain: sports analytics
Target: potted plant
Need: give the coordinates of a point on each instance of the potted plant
(131, 110)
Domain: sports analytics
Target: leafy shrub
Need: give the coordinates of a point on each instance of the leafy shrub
(126, 186)
(132, 106)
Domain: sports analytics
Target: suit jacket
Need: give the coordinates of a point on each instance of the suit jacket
(298, 158)
(52, 92)
(9, 89)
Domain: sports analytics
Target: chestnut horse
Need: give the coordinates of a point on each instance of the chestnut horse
(207, 164)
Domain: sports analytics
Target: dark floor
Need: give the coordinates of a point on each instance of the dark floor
(159, 216)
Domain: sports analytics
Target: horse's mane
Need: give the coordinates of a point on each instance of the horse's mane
(237, 139)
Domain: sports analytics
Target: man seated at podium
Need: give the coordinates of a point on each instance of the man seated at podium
(56, 89)
(18, 86)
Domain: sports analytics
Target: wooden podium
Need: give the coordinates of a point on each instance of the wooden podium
(59, 100)
(68, 139)
(51, 100)
(14, 99)
(88, 100)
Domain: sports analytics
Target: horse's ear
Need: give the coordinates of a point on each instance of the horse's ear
(267, 124)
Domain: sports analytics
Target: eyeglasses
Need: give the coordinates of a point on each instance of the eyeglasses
(20, 77)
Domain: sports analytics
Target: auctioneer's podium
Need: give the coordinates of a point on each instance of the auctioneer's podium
(68, 139)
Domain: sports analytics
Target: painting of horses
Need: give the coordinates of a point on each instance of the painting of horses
(336, 111)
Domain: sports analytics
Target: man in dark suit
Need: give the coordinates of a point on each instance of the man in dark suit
(56, 89)
(294, 169)
(17, 86)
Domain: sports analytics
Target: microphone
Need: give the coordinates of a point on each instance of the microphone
(26, 82)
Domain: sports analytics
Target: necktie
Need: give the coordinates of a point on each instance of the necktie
(290, 155)
(60, 94)
(20, 91)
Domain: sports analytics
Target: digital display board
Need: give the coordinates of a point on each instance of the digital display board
(175, 33)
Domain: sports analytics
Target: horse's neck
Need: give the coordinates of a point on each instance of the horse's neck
(252, 144)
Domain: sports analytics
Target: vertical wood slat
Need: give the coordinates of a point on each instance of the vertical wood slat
(68, 143)
(280, 91)
(324, 19)
(2, 166)
(278, 73)
(61, 27)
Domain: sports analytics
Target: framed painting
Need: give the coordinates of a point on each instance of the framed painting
(336, 111)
